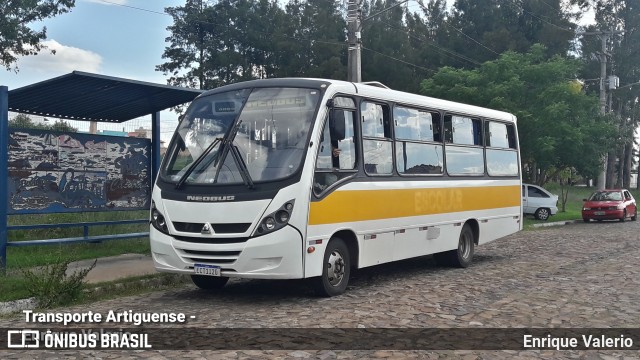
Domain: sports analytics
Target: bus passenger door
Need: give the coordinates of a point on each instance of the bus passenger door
(337, 151)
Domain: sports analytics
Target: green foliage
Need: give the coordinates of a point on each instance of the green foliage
(52, 286)
(23, 121)
(229, 41)
(17, 34)
(623, 17)
(40, 255)
(559, 125)
(216, 43)
(12, 287)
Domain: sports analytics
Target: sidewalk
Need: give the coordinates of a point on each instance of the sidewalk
(115, 267)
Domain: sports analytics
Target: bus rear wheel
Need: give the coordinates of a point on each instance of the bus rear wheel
(205, 282)
(462, 256)
(336, 268)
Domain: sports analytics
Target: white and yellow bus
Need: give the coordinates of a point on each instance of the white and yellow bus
(311, 178)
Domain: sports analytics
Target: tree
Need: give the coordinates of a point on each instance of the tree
(17, 37)
(387, 43)
(482, 30)
(187, 51)
(624, 47)
(559, 125)
(24, 121)
(61, 125)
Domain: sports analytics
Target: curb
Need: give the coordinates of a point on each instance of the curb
(556, 223)
(17, 306)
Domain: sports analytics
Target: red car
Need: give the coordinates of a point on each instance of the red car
(610, 205)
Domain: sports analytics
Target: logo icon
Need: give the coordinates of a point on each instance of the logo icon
(206, 229)
(23, 339)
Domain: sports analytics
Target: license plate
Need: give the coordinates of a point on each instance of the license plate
(598, 213)
(209, 270)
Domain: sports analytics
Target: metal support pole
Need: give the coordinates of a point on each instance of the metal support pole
(602, 177)
(155, 144)
(4, 176)
(354, 70)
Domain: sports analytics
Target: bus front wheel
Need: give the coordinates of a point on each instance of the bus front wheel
(336, 268)
(205, 282)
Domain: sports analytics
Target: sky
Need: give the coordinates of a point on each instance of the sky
(99, 36)
(122, 38)
(106, 38)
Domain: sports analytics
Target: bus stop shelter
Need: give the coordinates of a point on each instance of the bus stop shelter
(87, 97)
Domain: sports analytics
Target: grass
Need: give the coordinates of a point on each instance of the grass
(14, 285)
(29, 256)
(573, 209)
(62, 218)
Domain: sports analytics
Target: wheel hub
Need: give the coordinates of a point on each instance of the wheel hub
(335, 268)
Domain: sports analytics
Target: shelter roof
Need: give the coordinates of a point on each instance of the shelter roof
(92, 97)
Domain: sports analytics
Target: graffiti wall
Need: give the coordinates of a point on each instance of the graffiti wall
(69, 172)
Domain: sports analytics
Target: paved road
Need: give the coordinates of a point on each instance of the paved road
(575, 276)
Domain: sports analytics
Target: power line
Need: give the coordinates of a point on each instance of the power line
(400, 60)
(210, 23)
(419, 2)
(431, 43)
(384, 10)
(538, 17)
(133, 7)
(546, 3)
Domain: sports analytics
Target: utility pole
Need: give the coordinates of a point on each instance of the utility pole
(354, 26)
(354, 70)
(604, 37)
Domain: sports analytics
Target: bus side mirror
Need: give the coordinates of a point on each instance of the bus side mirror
(336, 124)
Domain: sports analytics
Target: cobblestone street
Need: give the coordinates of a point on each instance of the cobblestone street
(575, 276)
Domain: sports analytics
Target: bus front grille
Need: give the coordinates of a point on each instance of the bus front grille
(229, 228)
(209, 257)
(210, 240)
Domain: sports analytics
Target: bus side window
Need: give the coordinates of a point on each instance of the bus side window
(376, 138)
(337, 151)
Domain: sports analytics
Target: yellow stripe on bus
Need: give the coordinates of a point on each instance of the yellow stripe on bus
(360, 205)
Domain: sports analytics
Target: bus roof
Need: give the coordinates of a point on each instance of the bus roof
(374, 92)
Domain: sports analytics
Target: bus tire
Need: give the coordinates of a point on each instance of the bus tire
(205, 282)
(336, 268)
(462, 256)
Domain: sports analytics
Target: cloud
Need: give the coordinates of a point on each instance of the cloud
(66, 59)
(109, 2)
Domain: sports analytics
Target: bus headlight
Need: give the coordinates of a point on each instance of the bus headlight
(276, 220)
(269, 223)
(157, 220)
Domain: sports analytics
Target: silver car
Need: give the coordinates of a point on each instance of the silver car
(538, 202)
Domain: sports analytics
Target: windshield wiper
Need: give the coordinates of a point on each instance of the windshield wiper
(227, 145)
(197, 162)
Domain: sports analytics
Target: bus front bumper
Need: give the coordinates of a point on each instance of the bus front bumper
(277, 255)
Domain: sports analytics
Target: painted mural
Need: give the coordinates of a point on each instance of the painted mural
(70, 172)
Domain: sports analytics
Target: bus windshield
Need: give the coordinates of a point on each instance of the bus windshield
(273, 127)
